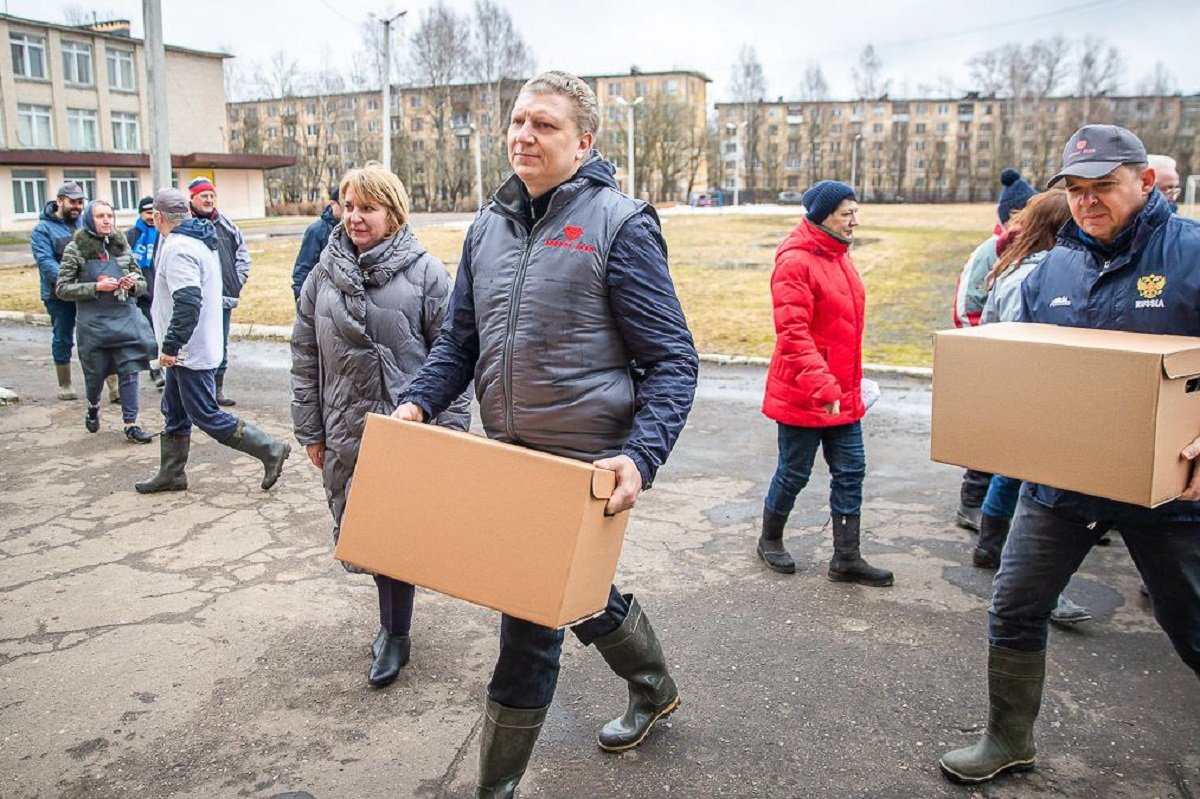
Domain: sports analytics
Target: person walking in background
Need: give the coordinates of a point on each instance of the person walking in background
(603, 370)
(100, 277)
(367, 317)
(187, 325)
(143, 241)
(1121, 239)
(49, 239)
(235, 267)
(814, 383)
(970, 296)
(316, 236)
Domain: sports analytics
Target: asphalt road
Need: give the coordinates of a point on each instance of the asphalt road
(205, 644)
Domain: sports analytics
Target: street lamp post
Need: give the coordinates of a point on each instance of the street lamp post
(854, 162)
(387, 89)
(477, 156)
(629, 137)
(737, 161)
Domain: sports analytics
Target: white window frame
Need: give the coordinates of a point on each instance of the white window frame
(29, 192)
(86, 179)
(77, 59)
(33, 121)
(28, 55)
(125, 193)
(81, 121)
(121, 75)
(124, 129)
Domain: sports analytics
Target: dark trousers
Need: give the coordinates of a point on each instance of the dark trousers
(842, 446)
(1045, 547)
(62, 328)
(974, 488)
(395, 604)
(526, 671)
(127, 388)
(190, 397)
(226, 313)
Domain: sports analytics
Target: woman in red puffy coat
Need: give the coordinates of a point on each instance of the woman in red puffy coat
(814, 383)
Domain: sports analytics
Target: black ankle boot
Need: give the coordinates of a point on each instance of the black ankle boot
(391, 657)
(509, 735)
(847, 565)
(91, 422)
(632, 651)
(993, 532)
(770, 543)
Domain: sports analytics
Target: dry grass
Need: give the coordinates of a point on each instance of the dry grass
(910, 256)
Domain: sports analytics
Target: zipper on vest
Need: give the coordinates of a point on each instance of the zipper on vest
(510, 337)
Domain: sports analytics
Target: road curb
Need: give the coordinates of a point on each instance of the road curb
(284, 333)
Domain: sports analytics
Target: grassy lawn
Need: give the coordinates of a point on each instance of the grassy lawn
(910, 256)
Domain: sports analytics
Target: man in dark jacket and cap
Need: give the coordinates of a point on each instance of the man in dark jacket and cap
(315, 239)
(1123, 262)
(143, 241)
(58, 223)
(595, 363)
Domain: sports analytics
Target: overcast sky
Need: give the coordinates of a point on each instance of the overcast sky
(918, 41)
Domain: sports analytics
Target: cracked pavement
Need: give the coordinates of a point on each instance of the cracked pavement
(205, 643)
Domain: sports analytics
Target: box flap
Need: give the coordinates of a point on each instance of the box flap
(1184, 363)
(604, 482)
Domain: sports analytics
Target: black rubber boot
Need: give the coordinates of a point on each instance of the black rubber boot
(847, 564)
(222, 400)
(173, 460)
(157, 376)
(271, 451)
(1015, 682)
(770, 543)
(993, 532)
(391, 657)
(632, 651)
(507, 741)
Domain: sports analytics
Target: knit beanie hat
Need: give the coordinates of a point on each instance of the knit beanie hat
(823, 199)
(200, 184)
(1014, 195)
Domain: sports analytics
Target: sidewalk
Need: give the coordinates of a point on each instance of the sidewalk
(205, 644)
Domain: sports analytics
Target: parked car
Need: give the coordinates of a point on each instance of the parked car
(791, 197)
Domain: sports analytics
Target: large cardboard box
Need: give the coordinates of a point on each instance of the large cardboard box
(502, 526)
(1102, 412)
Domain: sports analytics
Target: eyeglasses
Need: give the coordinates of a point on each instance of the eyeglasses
(1172, 192)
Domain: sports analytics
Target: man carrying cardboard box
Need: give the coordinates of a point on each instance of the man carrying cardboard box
(1122, 262)
(564, 311)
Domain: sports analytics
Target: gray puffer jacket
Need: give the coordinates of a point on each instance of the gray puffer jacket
(363, 328)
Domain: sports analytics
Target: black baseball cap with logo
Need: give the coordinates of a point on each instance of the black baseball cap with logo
(1096, 150)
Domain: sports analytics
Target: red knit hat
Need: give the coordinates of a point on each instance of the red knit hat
(200, 184)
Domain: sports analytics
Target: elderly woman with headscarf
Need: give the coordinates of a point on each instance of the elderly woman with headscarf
(367, 317)
(113, 337)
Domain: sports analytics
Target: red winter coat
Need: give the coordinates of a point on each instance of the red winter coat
(819, 304)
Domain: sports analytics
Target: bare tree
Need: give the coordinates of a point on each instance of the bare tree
(1097, 70)
(1158, 83)
(440, 53)
(1049, 60)
(748, 83)
(80, 15)
(867, 73)
(813, 86)
(501, 62)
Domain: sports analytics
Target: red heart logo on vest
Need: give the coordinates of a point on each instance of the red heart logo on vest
(572, 232)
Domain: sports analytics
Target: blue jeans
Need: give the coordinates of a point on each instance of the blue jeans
(1001, 499)
(1045, 547)
(526, 672)
(843, 449)
(62, 328)
(190, 397)
(226, 313)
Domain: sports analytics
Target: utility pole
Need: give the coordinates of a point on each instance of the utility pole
(629, 159)
(472, 132)
(156, 80)
(387, 89)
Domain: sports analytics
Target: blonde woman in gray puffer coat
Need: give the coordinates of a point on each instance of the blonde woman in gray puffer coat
(368, 314)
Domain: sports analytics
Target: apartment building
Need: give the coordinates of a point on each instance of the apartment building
(435, 130)
(74, 106)
(930, 150)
